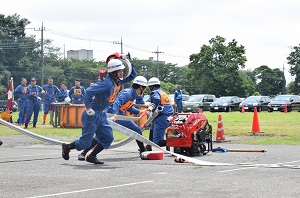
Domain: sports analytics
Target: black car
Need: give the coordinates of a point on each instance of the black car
(226, 103)
(260, 102)
(292, 102)
(3, 106)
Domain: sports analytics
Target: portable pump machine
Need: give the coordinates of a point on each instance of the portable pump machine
(188, 134)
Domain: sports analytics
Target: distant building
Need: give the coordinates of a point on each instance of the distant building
(80, 54)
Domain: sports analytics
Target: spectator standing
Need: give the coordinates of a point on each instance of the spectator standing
(33, 93)
(20, 95)
(76, 93)
(62, 92)
(49, 96)
(178, 99)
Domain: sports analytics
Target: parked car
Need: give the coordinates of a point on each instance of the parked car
(201, 101)
(3, 106)
(260, 102)
(226, 103)
(278, 103)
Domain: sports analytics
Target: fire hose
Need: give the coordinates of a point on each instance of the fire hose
(57, 142)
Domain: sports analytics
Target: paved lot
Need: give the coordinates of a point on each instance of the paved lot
(39, 171)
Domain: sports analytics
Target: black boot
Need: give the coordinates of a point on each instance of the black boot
(66, 148)
(81, 156)
(1, 142)
(34, 125)
(92, 157)
(141, 146)
(26, 126)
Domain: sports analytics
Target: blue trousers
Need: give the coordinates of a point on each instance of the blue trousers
(33, 106)
(179, 106)
(159, 126)
(22, 111)
(47, 104)
(97, 125)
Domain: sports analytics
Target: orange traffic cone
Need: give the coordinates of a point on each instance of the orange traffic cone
(243, 109)
(220, 131)
(255, 123)
(285, 108)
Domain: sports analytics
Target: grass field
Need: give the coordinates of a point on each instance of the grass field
(277, 128)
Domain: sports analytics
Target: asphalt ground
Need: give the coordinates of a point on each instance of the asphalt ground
(38, 170)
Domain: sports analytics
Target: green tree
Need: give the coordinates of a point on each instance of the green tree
(17, 51)
(294, 61)
(215, 69)
(271, 81)
(290, 87)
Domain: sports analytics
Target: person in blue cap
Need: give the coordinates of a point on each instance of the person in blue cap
(94, 119)
(178, 99)
(20, 95)
(34, 93)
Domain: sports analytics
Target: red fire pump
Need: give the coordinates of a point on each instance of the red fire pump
(188, 134)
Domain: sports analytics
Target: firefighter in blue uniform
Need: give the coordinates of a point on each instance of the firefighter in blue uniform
(140, 100)
(20, 95)
(159, 125)
(178, 99)
(124, 102)
(33, 93)
(76, 93)
(62, 92)
(94, 120)
(51, 92)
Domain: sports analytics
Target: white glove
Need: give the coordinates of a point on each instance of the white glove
(147, 111)
(39, 98)
(90, 111)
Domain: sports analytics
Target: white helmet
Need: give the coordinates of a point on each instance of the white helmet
(140, 80)
(114, 65)
(153, 81)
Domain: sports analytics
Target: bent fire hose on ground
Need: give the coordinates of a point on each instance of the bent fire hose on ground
(57, 142)
(53, 141)
(139, 137)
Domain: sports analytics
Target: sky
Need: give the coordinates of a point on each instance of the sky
(174, 28)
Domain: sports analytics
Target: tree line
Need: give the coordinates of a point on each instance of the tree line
(217, 69)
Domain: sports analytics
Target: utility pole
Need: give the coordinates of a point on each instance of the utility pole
(42, 53)
(157, 69)
(283, 79)
(120, 43)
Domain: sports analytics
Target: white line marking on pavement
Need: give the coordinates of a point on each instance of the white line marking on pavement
(237, 169)
(28, 155)
(92, 189)
(160, 173)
